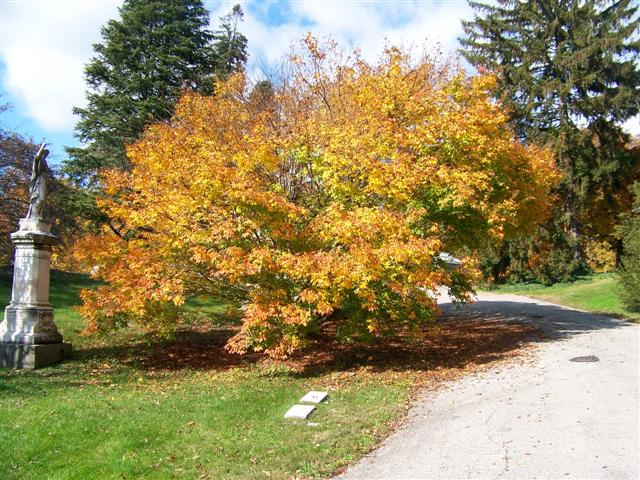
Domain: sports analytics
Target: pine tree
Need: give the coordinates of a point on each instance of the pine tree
(230, 45)
(157, 49)
(568, 73)
(629, 230)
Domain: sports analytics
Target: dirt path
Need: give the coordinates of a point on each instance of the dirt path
(546, 418)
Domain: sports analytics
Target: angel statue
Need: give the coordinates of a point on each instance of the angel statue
(38, 184)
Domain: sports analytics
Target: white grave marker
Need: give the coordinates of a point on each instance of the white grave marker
(314, 397)
(299, 411)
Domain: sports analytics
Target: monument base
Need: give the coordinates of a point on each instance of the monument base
(29, 324)
(30, 356)
(29, 337)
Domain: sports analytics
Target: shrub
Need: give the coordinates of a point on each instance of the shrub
(546, 256)
(630, 269)
(601, 257)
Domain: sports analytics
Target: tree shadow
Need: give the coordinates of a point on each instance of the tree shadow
(190, 349)
(474, 334)
(555, 320)
(464, 337)
(452, 344)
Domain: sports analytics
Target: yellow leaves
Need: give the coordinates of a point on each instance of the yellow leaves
(311, 44)
(373, 326)
(333, 199)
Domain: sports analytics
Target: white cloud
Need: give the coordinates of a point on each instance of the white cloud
(44, 47)
(357, 24)
(45, 44)
(632, 126)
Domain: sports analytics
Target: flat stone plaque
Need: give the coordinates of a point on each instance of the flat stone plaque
(299, 411)
(314, 397)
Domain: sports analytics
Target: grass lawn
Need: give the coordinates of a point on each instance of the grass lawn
(129, 406)
(596, 293)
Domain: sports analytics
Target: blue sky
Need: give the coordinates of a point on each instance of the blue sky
(44, 45)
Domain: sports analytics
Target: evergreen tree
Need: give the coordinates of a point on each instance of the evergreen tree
(630, 269)
(230, 45)
(154, 51)
(568, 72)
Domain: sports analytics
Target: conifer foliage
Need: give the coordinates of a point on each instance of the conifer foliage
(630, 269)
(568, 74)
(154, 51)
(230, 45)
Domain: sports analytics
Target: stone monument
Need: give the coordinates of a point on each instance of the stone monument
(29, 337)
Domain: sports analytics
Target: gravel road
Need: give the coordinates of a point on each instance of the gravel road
(544, 418)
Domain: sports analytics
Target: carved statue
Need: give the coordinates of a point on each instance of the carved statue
(38, 184)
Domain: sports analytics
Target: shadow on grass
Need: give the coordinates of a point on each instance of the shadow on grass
(472, 335)
(451, 344)
(194, 350)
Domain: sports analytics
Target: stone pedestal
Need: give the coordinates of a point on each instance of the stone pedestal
(29, 337)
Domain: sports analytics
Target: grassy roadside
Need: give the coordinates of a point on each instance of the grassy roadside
(129, 406)
(596, 293)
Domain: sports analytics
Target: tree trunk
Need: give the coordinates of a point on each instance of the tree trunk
(618, 247)
(574, 233)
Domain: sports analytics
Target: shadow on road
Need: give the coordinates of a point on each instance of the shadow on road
(467, 335)
(556, 321)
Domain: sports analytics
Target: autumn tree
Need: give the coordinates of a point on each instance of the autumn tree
(332, 204)
(15, 170)
(568, 74)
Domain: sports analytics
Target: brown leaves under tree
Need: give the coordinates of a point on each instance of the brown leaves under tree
(458, 344)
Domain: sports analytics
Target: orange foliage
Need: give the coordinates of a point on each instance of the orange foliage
(334, 201)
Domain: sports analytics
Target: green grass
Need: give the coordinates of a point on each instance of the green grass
(65, 423)
(128, 405)
(596, 293)
(118, 409)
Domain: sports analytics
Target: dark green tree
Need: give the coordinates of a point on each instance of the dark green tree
(157, 49)
(629, 231)
(230, 45)
(568, 73)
